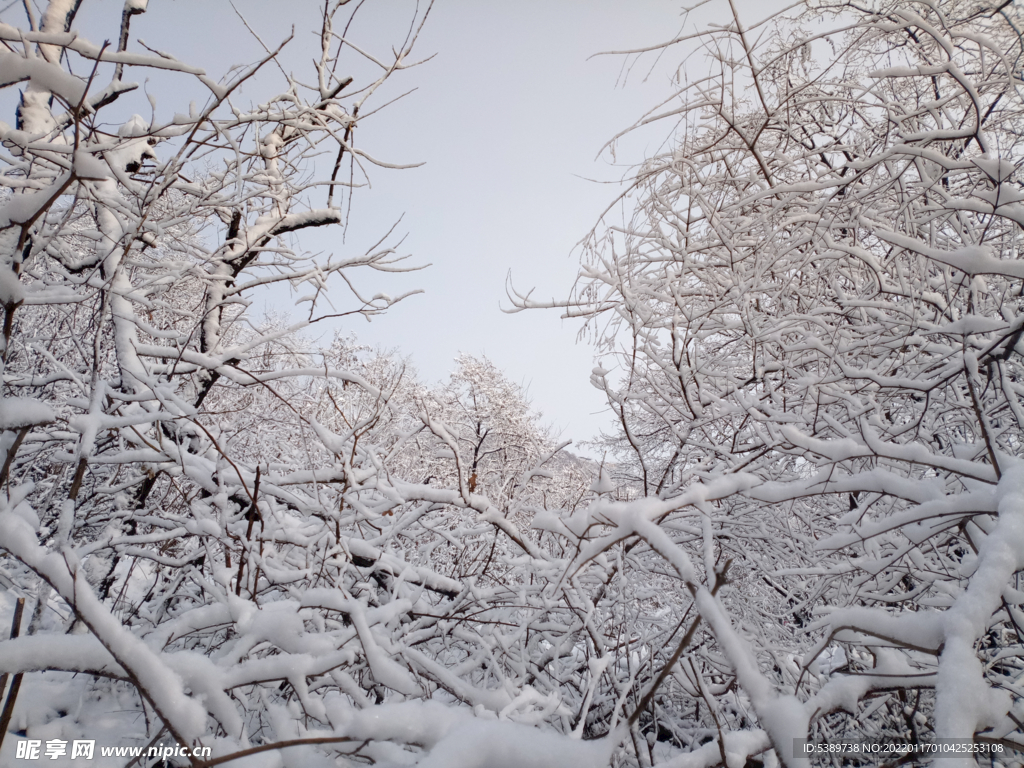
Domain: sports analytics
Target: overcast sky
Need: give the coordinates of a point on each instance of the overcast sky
(509, 117)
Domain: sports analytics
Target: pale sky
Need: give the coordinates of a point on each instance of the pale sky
(508, 118)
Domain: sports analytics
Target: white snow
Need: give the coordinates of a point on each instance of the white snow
(19, 412)
(43, 74)
(11, 289)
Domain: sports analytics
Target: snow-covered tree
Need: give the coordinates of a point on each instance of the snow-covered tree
(217, 527)
(190, 509)
(479, 432)
(808, 524)
(813, 352)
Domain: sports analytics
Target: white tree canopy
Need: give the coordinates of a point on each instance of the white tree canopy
(809, 522)
(812, 335)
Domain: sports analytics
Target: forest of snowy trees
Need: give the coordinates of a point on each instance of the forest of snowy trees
(219, 531)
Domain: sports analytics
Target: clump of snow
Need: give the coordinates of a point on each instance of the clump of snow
(134, 127)
(27, 513)
(603, 483)
(89, 166)
(42, 74)
(997, 168)
(831, 659)
(19, 412)
(11, 289)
